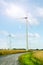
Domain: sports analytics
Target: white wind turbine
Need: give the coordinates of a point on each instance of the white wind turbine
(26, 19)
(10, 40)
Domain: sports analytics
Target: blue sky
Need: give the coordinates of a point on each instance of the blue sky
(12, 23)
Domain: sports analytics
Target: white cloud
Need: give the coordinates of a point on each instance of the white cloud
(39, 11)
(31, 19)
(35, 35)
(31, 35)
(5, 33)
(2, 32)
(16, 11)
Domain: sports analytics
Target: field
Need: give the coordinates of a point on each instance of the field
(29, 58)
(32, 58)
(7, 52)
(38, 55)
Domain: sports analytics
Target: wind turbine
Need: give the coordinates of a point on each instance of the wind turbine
(26, 18)
(10, 41)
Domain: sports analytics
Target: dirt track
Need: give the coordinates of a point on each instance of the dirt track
(10, 59)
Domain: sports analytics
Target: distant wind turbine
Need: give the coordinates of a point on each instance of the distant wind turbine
(10, 41)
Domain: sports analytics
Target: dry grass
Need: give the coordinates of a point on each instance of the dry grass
(6, 52)
(38, 55)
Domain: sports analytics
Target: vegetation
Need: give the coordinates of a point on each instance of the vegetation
(6, 52)
(32, 58)
(38, 55)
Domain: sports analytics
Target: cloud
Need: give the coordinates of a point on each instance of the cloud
(5, 33)
(40, 12)
(30, 35)
(32, 19)
(14, 11)
(18, 12)
(2, 32)
(35, 35)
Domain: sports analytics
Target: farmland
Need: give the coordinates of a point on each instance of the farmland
(7, 52)
(28, 58)
(38, 55)
(32, 58)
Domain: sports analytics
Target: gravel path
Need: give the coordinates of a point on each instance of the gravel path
(10, 59)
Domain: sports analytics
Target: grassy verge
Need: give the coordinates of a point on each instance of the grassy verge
(28, 59)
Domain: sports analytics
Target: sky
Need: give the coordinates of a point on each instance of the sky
(13, 24)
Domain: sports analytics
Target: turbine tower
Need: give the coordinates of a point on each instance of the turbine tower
(26, 18)
(10, 40)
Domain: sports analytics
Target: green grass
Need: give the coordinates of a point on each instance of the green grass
(28, 59)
